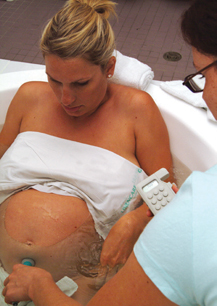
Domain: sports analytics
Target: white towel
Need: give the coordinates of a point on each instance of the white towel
(103, 179)
(66, 284)
(131, 72)
(176, 89)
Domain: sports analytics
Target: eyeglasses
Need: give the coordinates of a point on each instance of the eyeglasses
(196, 81)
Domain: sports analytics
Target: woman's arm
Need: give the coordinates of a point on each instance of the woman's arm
(129, 287)
(18, 107)
(3, 149)
(152, 150)
(123, 235)
(152, 138)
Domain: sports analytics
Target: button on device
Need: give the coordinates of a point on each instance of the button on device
(158, 206)
(161, 188)
(154, 201)
(159, 197)
(156, 192)
(165, 193)
(164, 203)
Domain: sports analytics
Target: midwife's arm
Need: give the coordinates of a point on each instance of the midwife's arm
(29, 283)
(129, 287)
(152, 150)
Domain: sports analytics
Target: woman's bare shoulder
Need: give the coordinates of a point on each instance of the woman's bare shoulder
(34, 87)
(133, 98)
(27, 97)
(30, 94)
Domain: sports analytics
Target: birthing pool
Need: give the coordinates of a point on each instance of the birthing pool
(192, 134)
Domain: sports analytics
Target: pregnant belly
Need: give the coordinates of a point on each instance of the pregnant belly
(56, 231)
(43, 219)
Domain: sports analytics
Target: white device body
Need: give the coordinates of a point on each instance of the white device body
(156, 193)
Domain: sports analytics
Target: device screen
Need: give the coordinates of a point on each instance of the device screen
(150, 186)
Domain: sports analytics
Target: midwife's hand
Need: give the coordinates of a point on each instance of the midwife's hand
(175, 188)
(120, 241)
(18, 285)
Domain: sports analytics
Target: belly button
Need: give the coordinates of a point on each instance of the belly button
(29, 243)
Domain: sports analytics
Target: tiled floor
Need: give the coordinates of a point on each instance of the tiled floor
(145, 29)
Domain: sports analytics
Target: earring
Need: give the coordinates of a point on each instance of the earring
(109, 76)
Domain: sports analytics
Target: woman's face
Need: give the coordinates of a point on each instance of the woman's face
(210, 89)
(80, 86)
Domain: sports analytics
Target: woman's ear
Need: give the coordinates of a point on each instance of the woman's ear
(110, 68)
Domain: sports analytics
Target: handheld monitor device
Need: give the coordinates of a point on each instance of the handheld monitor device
(156, 193)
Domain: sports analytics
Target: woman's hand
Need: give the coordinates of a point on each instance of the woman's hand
(121, 239)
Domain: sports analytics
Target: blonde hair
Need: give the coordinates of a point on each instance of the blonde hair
(81, 29)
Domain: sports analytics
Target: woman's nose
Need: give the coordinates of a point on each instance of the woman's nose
(68, 96)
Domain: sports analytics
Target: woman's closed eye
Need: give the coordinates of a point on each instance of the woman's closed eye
(82, 83)
(79, 83)
(55, 81)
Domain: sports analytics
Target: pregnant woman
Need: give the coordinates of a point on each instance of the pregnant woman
(72, 151)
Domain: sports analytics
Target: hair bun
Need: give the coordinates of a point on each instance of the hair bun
(81, 29)
(102, 7)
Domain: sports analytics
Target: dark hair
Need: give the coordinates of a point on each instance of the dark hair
(199, 26)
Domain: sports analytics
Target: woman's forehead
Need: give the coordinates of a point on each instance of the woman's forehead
(74, 69)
